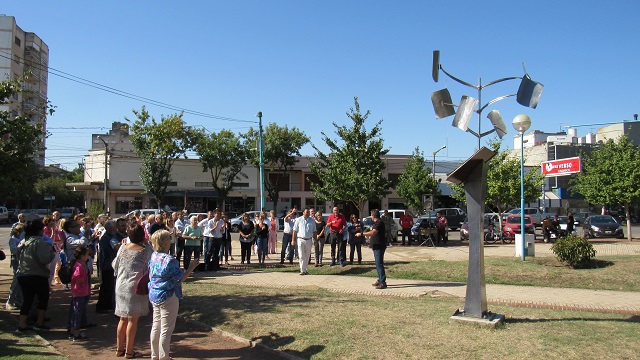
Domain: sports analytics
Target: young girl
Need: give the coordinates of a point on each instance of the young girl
(80, 290)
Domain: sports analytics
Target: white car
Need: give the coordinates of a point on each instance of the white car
(236, 221)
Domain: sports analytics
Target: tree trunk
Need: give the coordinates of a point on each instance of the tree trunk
(628, 214)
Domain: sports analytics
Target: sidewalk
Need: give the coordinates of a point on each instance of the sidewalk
(536, 297)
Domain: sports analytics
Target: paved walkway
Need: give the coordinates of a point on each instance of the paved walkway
(529, 296)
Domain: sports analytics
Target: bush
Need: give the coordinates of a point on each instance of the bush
(574, 250)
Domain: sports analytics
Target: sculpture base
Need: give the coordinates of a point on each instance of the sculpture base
(489, 319)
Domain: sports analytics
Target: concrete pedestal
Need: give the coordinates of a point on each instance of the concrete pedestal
(529, 245)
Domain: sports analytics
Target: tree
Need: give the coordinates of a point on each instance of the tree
(281, 151)
(56, 186)
(159, 145)
(503, 182)
(353, 170)
(20, 140)
(611, 175)
(223, 155)
(416, 180)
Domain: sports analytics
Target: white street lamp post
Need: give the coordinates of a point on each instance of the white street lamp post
(433, 164)
(521, 123)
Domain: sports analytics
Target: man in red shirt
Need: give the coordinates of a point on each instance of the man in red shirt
(337, 224)
(406, 221)
(441, 223)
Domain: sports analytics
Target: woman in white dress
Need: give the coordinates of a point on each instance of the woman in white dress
(130, 265)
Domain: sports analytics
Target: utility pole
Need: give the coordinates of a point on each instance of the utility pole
(106, 173)
(261, 150)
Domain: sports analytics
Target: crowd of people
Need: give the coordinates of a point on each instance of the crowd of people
(137, 262)
(135, 266)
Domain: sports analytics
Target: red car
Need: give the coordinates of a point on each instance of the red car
(512, 225)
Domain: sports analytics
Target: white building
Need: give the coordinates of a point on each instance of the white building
(24, 53)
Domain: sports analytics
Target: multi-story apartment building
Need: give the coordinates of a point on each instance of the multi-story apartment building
(24, 54)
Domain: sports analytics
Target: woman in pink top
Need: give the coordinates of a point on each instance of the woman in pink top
(273, 233)
(80, 291)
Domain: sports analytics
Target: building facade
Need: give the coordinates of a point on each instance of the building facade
(24, 55)
(191, 188)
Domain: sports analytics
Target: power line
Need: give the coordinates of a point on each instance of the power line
(125, 94)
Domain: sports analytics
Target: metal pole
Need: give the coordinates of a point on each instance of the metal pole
(479, 109)
(105, 187)
(522, 232)
(260, 149)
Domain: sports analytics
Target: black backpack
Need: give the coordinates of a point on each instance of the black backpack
(65, 271)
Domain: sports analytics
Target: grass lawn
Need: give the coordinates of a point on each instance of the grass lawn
(317, 324)
(620, 273)
(26, 347)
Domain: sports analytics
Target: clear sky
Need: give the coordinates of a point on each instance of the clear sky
(302, 62)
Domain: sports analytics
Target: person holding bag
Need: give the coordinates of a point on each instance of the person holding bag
(130, 265)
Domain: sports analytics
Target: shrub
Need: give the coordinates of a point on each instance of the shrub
(574, 250)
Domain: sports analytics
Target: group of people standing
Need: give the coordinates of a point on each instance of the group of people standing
(135, 267)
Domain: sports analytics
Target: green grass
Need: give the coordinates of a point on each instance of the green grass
(22, 347)
(620, 273)
(317, 324)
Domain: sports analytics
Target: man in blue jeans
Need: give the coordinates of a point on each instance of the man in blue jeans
(379, 245)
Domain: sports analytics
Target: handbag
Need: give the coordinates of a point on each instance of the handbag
(142, 287)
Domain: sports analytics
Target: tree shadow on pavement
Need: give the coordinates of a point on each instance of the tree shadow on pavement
(276, 341)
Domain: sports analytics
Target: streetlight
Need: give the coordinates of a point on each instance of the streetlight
(261, 150)
(105, 187)
(433, 164)
(521, 123)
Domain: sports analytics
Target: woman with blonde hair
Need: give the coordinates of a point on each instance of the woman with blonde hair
(165, 291)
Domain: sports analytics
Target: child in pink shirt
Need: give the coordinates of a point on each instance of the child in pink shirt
(80, 291)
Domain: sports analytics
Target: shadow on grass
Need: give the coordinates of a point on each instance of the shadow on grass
(510, 320)
(276, 341)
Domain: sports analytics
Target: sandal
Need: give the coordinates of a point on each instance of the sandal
(132, 356)
(120, 353)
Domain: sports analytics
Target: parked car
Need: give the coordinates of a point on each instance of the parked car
(488, 222)
(536, 215)
(563, 220)
(4, 215)
(144, 212)
(423, 221)
(512, 226)
(455, 217)
(582, 216)
(596, 226)
(236, 221)
(67, 212)
(368, 222)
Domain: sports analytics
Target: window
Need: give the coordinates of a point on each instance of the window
(172, 183)
(129, 183)
(394, 178)
(204, 184)
(124, 204)
(239, 185)
(310, 178)
(17, 41)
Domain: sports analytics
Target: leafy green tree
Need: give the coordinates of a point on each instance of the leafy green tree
(281, 151)
(159, 145)
(353, 170)
(416, 180)
(20, 140)
(611, 175)
(223, 155)
(503, 182)
(55, 185)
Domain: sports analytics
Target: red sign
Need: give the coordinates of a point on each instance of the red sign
(561, 166)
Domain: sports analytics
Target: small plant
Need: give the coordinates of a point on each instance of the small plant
(574, 250)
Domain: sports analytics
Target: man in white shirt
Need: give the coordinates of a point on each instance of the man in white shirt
(216, 226)
(289, 221)
(179, 224)
(205, 225)
(304, 231)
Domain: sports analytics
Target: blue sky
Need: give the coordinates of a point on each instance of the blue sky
(302, 62)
